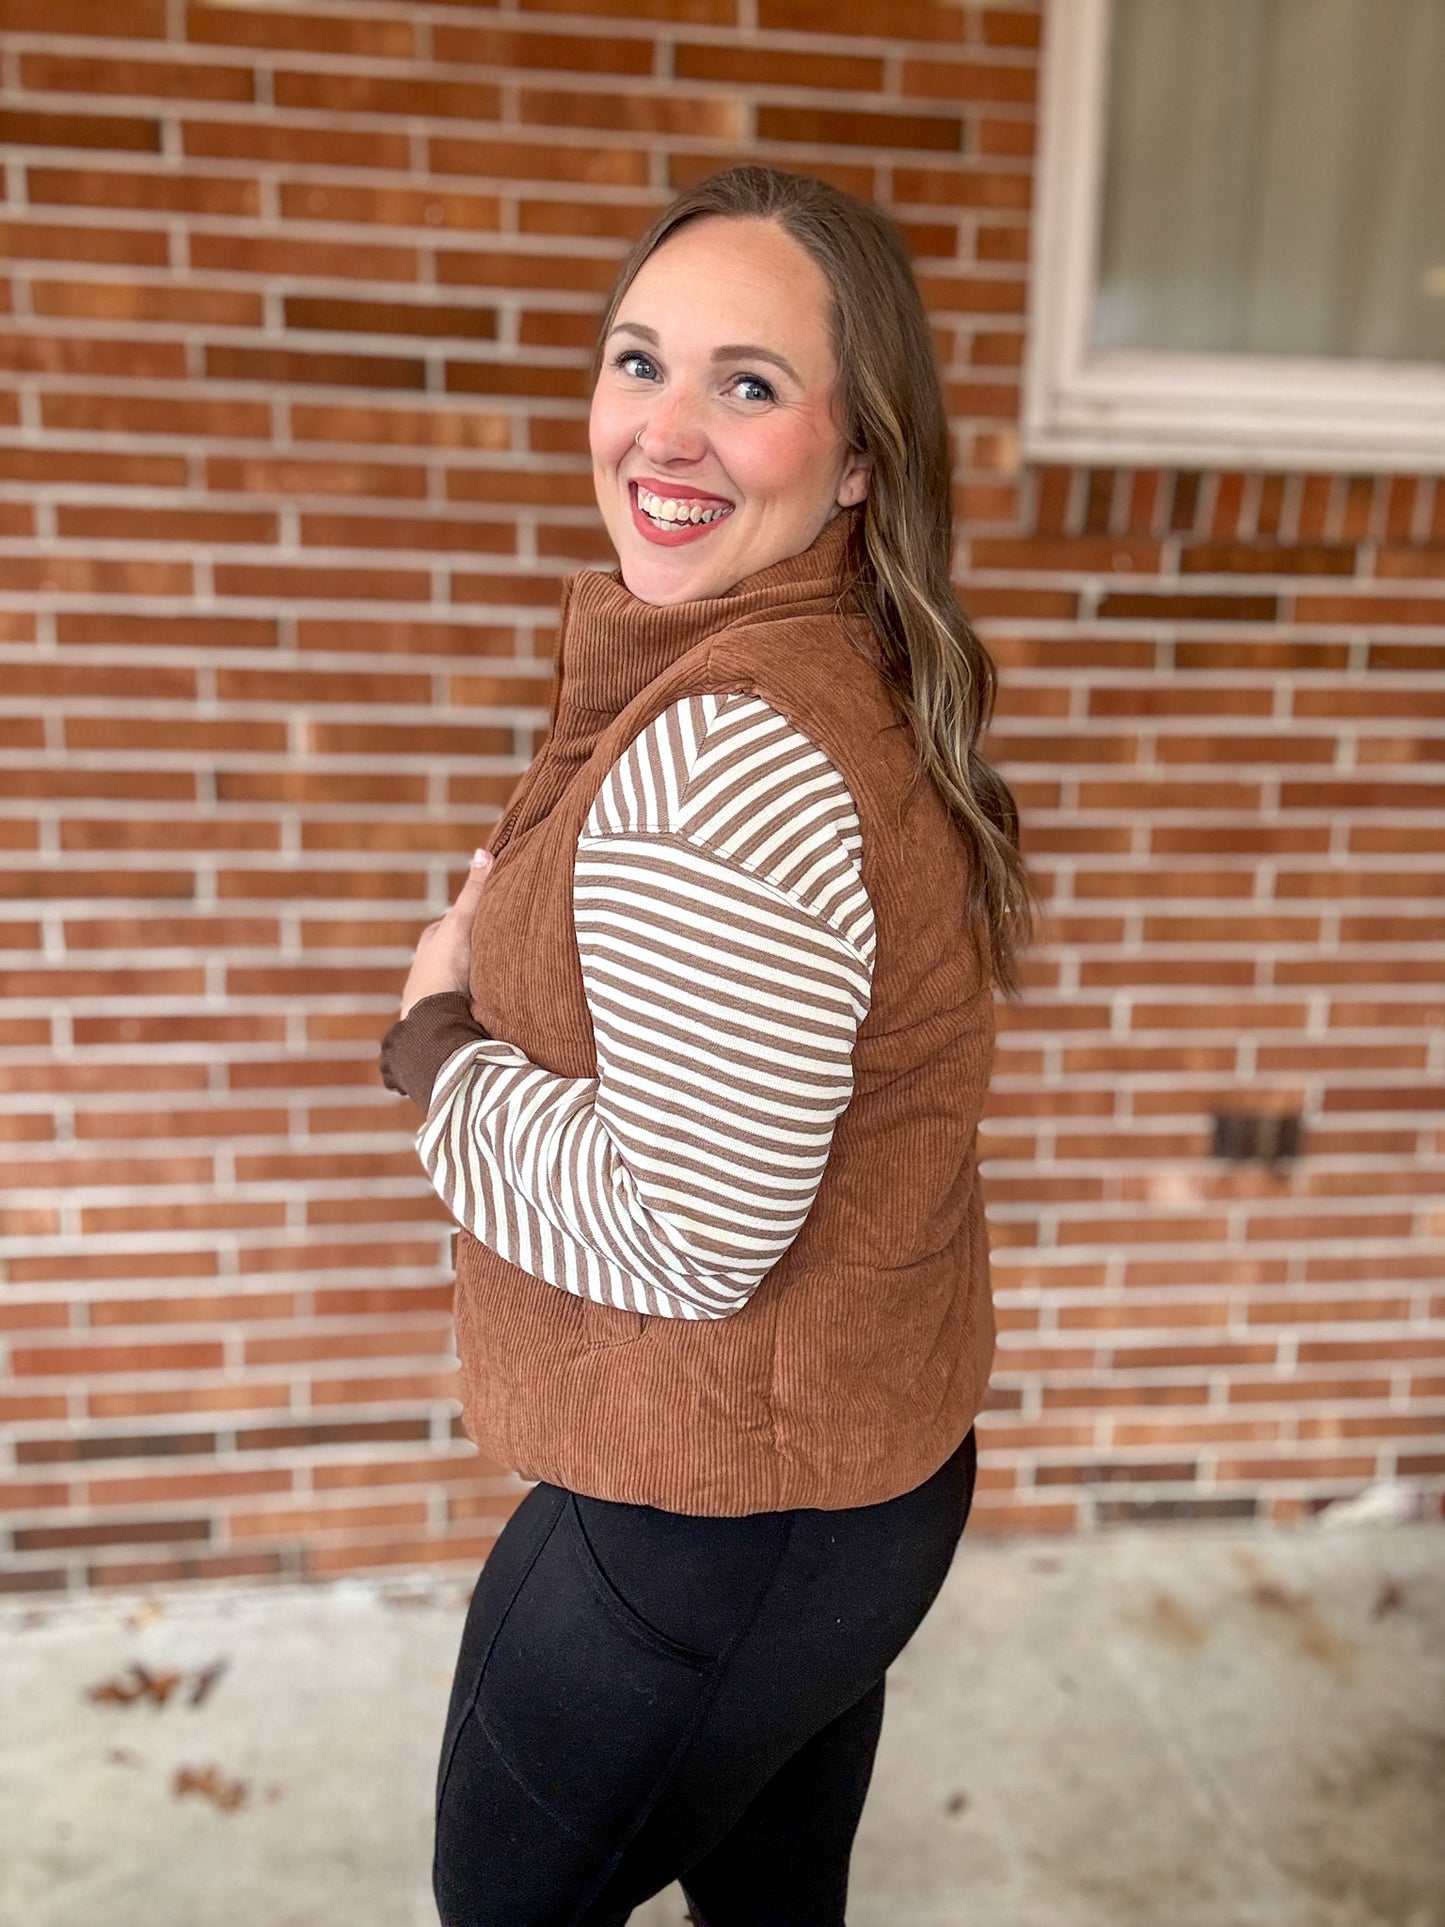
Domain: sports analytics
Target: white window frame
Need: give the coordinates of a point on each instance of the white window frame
(1173, 409)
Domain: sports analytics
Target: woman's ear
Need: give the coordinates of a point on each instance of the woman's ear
(854, 485)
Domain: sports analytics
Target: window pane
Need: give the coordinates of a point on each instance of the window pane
(1274, 178)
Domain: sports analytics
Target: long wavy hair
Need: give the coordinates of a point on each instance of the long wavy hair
(939, 676)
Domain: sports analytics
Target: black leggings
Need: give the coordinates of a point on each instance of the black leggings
(644, 1696)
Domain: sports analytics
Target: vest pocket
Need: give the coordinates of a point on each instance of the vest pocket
(606, 1325)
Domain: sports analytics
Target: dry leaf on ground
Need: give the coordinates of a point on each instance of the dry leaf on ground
(211, 1784)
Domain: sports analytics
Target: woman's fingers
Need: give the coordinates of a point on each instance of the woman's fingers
(471, 891)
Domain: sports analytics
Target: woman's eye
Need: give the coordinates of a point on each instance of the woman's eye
(754, 388)
(632, 361)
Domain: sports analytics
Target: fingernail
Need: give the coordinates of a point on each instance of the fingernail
(481, 859)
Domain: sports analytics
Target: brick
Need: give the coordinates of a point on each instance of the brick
(166, 631)
(65, 1361)
(228, 1566)
(44, 241)
(1011, 26)
(224, 1215)
(1169, 700)
(448, 427)
(527, 378)
(179, 1028)
(997, 138)
(206, 1399)
(392, 207)
(271, 581)
(191, 1488)
(92, 466)
(268, 140)
(993, 83)
(836, 127)
(306, 1523)
(591, 165)
(266, 475)
(163, 79)
(118, 300)
(82, 1076)
(468, 322)
(144, 19)
(300, 32)
(691, 13)
(568, 273)
(470, 1549)
(330, 1432)
(499, 47)
(185, 194)
(451, 536)
(418, 1340)
(220, 1120)
(592, 220)
(296, 686)
(875, 18)
(108, 522)
(966, 187)
(1133, 607)
(1243, 558)
(165, 786)
(255, 253)
(112, 1532)
(55, 574)
(171, 933)
(1415, 657)
(115, 1445)
(157, 415)
(131, 134)
(772, 67)
(1260, 655)
(295, 787)
(360, 93)
(686, 170)
(547, 489)
(1358, 610)
(290, 365)
(709, 117)
(385, 1388)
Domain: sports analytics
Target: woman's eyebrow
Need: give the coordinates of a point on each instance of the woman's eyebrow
(730, 351)
(750, 351)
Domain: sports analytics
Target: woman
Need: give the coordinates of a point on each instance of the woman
(702, 1047)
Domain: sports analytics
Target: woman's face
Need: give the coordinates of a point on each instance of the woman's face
(715, 446)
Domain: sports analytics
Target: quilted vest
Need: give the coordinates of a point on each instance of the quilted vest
(861, 1358)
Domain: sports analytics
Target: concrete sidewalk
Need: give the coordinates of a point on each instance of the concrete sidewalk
(1153, 1728)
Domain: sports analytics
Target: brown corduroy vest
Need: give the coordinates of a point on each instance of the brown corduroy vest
(861, 1359)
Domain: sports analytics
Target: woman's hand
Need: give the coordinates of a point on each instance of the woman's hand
(444, 950)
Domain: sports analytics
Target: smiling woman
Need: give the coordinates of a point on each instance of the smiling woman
(692, 424)
(701, 1051)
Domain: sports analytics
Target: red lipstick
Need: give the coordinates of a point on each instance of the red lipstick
(676, 535)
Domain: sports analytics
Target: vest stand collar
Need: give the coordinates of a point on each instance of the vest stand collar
(612, 645)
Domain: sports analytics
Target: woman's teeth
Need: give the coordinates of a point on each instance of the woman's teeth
(667, 512)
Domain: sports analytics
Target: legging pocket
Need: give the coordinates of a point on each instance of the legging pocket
(580, 1698)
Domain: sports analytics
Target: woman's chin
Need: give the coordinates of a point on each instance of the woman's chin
(662, 576)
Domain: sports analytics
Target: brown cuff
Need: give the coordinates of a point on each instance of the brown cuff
(417, 1045)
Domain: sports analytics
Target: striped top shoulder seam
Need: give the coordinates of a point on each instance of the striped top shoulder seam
(681, 840)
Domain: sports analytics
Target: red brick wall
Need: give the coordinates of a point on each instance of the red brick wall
(293, 329)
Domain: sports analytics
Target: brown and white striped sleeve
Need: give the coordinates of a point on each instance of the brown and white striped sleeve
(727, 945)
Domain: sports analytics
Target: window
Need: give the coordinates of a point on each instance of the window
(1239, 251)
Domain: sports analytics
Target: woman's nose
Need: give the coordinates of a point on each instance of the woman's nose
(673, 431)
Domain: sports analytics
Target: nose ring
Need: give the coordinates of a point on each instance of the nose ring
(638, 438)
